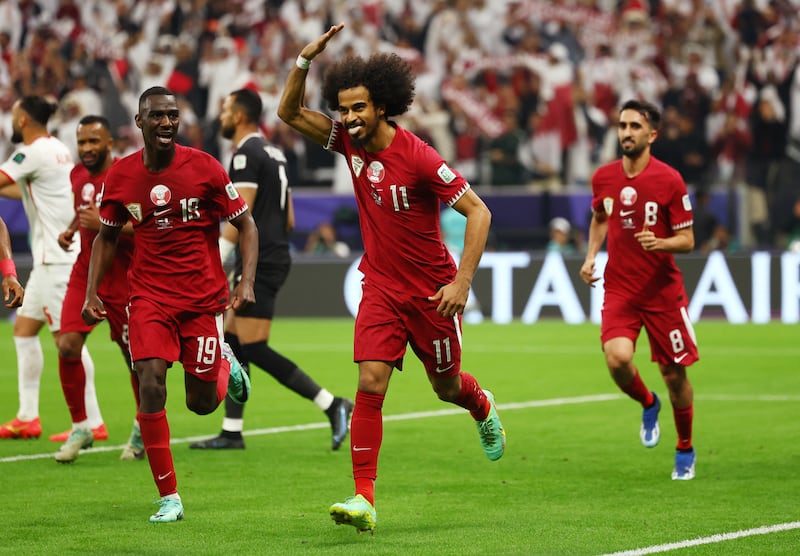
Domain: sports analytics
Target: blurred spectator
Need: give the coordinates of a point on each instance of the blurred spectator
(705, 221)
(693, 63)
(541, 156)
(768, 127)
(503, 153)
(561, 67)
(750, 22)
(322, 241)
(563, 239)
(681, 145)
(789, 229)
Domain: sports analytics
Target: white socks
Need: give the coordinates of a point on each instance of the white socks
(323, 399)
(90, 394)
(232, 425)
(30, 363)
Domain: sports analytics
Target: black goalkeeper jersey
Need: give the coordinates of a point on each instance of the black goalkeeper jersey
(260, 164)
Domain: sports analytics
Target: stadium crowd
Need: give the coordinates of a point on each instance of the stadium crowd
(516, 93)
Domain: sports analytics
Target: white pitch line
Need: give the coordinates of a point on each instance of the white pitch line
(721, 537)
(424, 415)
(312, 426)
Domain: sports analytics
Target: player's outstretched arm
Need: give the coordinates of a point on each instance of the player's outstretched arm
(452, 297)
(243, 294)
(314, 125)
(104, 248)
(598, 228)
(12, 289)
(13, 292)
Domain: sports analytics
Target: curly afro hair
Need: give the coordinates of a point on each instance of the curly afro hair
(389, 80)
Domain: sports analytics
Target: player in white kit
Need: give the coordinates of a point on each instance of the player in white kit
(38, 173)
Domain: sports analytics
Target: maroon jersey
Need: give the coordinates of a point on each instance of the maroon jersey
(114, 287)
(176, 215)
(399, 191)
(657, 196)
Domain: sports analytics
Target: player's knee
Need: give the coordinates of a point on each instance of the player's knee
(674, 376)
(69, 346)
(618, 359)
(152, 394)
(201, 406)
(447, 390)
(202, 400)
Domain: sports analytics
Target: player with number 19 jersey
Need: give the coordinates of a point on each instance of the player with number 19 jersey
(399, 191)
(657, 197)
(172, 264)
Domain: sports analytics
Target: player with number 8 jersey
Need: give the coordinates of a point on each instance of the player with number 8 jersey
(642, 211)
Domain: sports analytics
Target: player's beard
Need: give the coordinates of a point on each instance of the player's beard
(16, 137)
(635, 151)
(97, 164)
(227, 131)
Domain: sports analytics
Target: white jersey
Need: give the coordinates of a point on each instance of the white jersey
(42, 171)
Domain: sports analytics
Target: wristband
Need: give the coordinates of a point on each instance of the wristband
(303, 63)
(8, 268)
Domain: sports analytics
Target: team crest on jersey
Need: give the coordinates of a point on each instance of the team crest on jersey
(87, 192)
(135, 209)
(232, 192)
(18, 158)
(376, 172)
(239, 161)
(446, 173)
(160, 195)
(608, 205)
(357, 164)
(628, 196)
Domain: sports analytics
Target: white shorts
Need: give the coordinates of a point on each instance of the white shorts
(44, 294)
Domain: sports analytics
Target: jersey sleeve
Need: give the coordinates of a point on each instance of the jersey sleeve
(680, 205)
(336, 138)
(597, 191)
(244, 169)
(112, 210)
(227, 196)
(19, 165)
(448, 184)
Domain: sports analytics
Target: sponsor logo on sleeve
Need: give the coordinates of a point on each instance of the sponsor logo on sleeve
(687, 202)
(18, 158)
(232, 192)
(239, 162)
(445, 173)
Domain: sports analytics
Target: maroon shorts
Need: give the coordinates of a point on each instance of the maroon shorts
(671, 334)
(157, 331)
(71, 320)
(387, 321)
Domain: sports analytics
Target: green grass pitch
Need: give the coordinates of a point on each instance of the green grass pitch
(574, 480)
